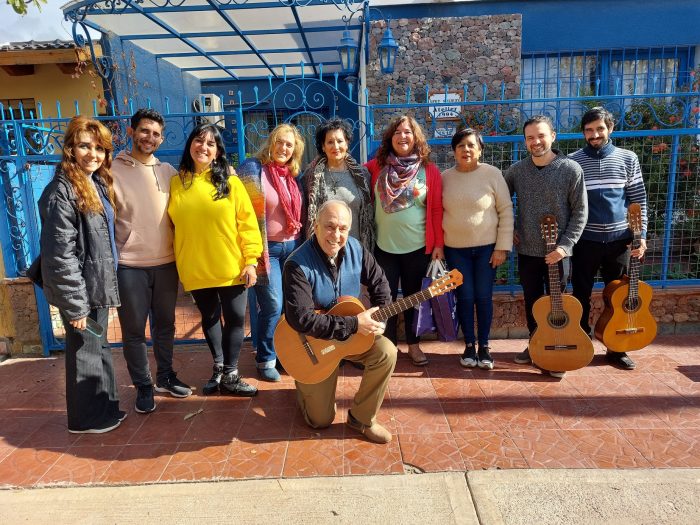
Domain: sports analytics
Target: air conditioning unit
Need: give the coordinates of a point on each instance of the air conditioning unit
(209, 103)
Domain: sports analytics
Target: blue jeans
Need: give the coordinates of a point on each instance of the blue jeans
(269, 299)
(477, 289)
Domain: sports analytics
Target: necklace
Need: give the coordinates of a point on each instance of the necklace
(333, 181)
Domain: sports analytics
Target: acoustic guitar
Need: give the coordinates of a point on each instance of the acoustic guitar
(310, 360)
(559, 343)
(626, 322)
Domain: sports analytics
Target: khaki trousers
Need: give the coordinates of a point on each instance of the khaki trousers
(317, 402)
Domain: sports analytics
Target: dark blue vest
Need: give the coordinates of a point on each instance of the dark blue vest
(313, 263)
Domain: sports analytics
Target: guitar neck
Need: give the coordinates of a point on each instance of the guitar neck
(399, 306)
(633, 270)
(554, 284)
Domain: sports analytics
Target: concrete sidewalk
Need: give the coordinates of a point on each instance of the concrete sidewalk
(486, 497)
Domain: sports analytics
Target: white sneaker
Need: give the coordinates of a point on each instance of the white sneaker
(468, 359)
(99, 430)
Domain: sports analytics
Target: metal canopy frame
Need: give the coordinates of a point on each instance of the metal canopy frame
(225, 39)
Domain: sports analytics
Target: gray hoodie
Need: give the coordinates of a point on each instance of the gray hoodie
(142, 228)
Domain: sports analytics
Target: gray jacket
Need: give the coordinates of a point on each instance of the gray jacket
(77, 266)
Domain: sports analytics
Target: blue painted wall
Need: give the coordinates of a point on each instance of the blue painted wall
(140, 76)
(558, 25)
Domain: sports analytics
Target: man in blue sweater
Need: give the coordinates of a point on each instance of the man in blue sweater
(329, 265)
(613, 181)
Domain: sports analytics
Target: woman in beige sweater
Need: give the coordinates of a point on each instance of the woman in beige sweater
(478, 227)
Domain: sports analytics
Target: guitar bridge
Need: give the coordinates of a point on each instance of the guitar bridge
(560, 347)
(327, 350)
(630, 331)
(308, 349)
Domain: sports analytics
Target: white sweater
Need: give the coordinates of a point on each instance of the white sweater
(477, 208)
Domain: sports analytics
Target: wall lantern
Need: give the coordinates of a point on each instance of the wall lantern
(387, 51)
(348, 53)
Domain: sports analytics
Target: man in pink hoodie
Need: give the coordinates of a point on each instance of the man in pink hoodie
(148, 280)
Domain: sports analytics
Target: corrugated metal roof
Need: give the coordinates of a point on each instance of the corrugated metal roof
(230, 39)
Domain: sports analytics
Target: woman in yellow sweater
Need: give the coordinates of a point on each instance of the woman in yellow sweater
(217, 244)
(478, 227)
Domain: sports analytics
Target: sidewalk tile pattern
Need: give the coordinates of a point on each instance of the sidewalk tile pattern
(443, 418)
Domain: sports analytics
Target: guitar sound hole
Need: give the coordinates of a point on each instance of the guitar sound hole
(631, 305)
(558, 320)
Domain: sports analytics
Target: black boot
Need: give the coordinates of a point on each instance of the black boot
(213, 384)
(233, 385)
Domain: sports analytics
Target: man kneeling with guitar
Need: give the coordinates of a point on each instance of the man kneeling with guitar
(327, 266)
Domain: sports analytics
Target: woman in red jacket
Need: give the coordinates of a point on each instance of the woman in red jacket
(407, 191)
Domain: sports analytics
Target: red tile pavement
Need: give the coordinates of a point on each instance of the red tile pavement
(444, 418)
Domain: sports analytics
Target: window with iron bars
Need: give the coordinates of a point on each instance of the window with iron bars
(606, 72)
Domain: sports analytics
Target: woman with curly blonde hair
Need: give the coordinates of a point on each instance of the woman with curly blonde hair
(271, 182)
(78, 267)
(407, 192)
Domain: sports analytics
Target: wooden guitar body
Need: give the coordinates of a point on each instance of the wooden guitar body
(626, 325)
(310, 360)
(296, 360)
(559, 343)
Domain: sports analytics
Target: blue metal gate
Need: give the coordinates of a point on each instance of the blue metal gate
(661, 128)
(31, 145)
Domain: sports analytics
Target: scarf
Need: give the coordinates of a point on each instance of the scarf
(288, 194)
(314, 182)
(396, 182)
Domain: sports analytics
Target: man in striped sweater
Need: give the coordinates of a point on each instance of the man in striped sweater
(613, 180)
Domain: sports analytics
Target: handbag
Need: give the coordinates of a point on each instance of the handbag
(423, 322)
(444, 308)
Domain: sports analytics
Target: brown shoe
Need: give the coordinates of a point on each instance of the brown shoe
(376, 433)
(417, 356)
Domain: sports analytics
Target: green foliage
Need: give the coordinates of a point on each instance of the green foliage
(659, 157)
(20, 6)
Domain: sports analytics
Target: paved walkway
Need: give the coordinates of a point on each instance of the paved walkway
(444, 418)
(513, 497)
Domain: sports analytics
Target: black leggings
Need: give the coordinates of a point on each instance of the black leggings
(224, 344)
(409, 268)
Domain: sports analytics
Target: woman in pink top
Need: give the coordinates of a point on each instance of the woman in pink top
(271, 182)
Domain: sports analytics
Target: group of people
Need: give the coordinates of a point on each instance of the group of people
(268, 236)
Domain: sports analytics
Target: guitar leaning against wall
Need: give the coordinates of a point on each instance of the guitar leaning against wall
(310, 360)
(558, 343)
(626, 323)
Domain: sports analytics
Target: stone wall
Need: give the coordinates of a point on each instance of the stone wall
(468, 51)
(676, 311)
(19, 328)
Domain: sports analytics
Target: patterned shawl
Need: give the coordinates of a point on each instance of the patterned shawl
(316, 194)
(250, 173)
(396, 182)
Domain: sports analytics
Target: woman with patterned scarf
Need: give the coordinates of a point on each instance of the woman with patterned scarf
(271, 182)
(407, 192)
(334, 174)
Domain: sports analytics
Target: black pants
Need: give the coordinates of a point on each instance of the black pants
(611, 258)
(148, 292)
(409, 268)
(534, 278)
(91, 390)
(224, 342)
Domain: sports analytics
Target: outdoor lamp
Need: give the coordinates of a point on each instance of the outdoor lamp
(348, 53)
(387, 51)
